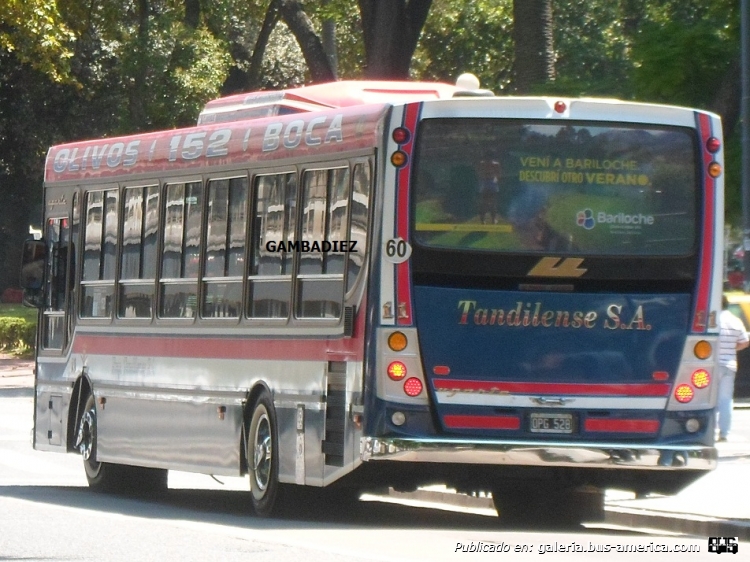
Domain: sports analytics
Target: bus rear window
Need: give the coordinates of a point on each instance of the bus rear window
(595, 189)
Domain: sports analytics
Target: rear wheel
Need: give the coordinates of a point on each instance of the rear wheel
(108, 477)
(263, 456)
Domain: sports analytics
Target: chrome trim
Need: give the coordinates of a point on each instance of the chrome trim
(552, 400)
(531, 453)
(506, 400)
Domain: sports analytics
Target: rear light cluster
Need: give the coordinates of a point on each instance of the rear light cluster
(703, 349)
(699, 380)
(713, 145)
(400, 136)
(397, 370)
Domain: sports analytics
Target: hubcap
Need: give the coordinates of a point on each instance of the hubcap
(262, 452)
(85, 438)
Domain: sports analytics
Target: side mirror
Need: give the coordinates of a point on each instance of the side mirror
(32, 265)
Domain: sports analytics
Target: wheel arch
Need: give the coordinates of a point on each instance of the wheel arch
(252, 398)
(82, 388)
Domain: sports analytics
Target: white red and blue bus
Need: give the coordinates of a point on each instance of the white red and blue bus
(364, 284)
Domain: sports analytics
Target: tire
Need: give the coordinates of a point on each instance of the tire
(263, 457)
(97, 473)
(108, 477)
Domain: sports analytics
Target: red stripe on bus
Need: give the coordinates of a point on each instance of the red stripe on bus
(621, 426)
(197, 347)
(229, 347)
(705, 270)
(624, 389)
(403, 272)
(482, 422)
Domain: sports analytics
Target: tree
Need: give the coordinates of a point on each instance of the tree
(35, 31)
(534, 57)
(461, 36)
(391, 31)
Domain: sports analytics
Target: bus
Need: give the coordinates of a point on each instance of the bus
(357, 285)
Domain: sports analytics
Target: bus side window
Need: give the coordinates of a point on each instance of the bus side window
(138, 262)
(325, 211)
(270, 282)
(180, 257)
(99, 254)
(225, 248)
(358, 227)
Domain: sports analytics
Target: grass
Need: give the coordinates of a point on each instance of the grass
(18, 311)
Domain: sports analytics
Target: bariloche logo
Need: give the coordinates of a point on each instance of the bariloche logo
(585, 219)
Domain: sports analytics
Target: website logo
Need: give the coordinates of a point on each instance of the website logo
(585, 219)
(723, 544)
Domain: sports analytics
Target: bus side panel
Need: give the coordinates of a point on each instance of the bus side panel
(150, 419)
(52, 403)
(319, 441)
(167, 431)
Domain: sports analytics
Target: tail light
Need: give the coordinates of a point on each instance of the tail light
(700, 378)
(396, 370)
(684, 393)
(413, 387)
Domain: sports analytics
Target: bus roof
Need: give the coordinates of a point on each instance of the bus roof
(346, 93)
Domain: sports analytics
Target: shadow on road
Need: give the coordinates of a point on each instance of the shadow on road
(232, 508)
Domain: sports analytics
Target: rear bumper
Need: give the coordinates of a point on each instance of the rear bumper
(543, 454)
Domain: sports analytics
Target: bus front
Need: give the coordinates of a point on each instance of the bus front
(553, 268)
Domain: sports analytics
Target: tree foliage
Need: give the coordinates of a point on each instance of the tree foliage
(72, 69)
(467, 37)
(36, 33)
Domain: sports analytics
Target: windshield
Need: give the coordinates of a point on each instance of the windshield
(529, 187)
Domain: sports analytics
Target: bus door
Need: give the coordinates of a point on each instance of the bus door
(58, 280)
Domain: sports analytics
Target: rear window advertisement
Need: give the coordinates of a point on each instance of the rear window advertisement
(499, 185)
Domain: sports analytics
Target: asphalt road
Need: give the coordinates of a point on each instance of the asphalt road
(47, 513)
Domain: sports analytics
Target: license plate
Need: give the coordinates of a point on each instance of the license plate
(551, 423)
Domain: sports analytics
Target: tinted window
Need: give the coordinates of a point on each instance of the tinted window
(99, 254)
(137, 269)
(274, 228)
(225, 248)
(502, 185)
(180, 259)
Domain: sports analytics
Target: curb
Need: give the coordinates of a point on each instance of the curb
(681, 523)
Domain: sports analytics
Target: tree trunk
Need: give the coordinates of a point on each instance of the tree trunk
(192, 13)
(256, 61)
(312, 48)
(136, 101)
(726, 100)
(534, 60)
(391, 32)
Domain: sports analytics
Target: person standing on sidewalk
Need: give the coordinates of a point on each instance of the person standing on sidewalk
(732, 338)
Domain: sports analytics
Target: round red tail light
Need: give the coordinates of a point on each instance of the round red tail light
(684, 393)
(413, 387)
(401, 135)
(396, 370)
(713, 145)
(700, 378)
